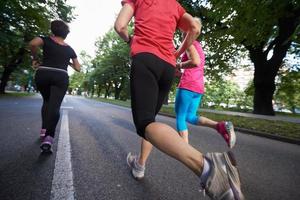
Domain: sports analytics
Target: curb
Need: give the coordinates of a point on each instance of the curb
(256, 133)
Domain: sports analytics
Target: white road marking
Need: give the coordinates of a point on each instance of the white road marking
(62, 183)
(67, 107)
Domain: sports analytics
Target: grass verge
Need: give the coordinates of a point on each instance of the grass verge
(280, 128)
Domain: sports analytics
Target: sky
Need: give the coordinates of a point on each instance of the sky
(93, 19)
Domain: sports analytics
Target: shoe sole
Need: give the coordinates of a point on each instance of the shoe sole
(132, 173)
(46, 148)
(232, 135)
(233, 174)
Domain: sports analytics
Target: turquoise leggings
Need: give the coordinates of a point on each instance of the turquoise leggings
(186, 106)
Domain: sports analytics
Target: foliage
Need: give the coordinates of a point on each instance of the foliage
(223, 94)
(228, 26)
(86, 62)
(76, 80)
(266, 30)
(111, 66)
(288, 90)
(23, 76)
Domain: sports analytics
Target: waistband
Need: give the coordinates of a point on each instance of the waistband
(52, 68)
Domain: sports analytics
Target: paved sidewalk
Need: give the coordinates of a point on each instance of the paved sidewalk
(274, 118)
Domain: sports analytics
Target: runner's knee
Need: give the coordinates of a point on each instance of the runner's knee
(141, 126)
(192, 119)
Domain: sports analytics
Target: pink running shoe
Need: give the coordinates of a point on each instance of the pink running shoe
(46, 145)
(226, 129)
(43, 134)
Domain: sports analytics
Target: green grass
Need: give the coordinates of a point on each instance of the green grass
(113, 101)
(288, 114)
(281, 128)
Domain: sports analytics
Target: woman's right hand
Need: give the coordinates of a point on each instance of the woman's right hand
(35, 64)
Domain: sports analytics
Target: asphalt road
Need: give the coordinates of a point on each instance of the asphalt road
(100, 137)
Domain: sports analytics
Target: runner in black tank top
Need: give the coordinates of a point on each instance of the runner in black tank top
(52, 78)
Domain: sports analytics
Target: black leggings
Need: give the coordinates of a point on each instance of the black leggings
(150, 82)
(53, 86)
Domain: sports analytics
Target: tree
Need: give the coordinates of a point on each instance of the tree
(86, 62)
(77, 80)
(112, 65)
(220, 93)
(267, 30)
(20, 21)
(288, 90)
(248, 94)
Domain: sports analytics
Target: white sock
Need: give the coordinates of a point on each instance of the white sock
(138, 165)
(205, 171)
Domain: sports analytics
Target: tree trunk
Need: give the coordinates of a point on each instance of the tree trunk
(107, 91)
(264, 85)
(119, 89)
(267, 69)
(264, 82)
(10, 67)
(106, 94)
(98, 91)
(5, 77)
(92, 92)
(117, 93)
(294, 109)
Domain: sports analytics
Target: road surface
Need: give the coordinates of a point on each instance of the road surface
(93, 140)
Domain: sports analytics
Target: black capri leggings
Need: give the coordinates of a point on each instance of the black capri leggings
(150, 82)
(53, 85)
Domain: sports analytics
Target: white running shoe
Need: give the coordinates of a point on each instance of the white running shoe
(223, 182)
(137, 170)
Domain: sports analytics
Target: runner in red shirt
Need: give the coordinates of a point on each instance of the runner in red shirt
(152, 71)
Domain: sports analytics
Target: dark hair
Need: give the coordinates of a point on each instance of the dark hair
(59, 28)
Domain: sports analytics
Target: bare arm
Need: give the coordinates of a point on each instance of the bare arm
(122, 21)
(75, 64)
(188, 25)
(34, 44)
(193, 59)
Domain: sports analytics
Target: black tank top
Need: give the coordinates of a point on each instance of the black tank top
(56, 55)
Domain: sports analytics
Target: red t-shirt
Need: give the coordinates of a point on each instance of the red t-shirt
(155, 22)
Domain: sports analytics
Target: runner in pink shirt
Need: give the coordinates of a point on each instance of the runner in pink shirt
(190, 92)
